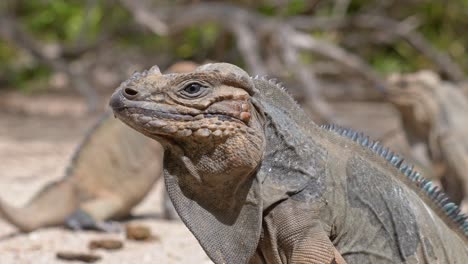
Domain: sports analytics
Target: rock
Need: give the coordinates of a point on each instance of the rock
(109, 244)
(138, 232)
(78, 256)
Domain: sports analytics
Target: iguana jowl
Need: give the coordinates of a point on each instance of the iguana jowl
(104, 180)
(255, 180)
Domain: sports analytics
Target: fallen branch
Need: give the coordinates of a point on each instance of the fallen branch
(249, 28)
(306, 76)
(387, 29)
(145, 17)
(333, 52)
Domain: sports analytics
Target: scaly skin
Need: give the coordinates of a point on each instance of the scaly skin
(256, 181)
(104, 181)
(436, 111)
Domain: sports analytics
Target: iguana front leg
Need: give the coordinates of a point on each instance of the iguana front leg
(92, 215)
(295, 237)
(313, 246)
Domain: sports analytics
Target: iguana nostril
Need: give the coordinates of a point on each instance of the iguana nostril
(130, 93)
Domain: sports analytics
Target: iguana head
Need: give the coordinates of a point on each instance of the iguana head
(213, 135)
(416, 96)
(198, 105)
(206, 116)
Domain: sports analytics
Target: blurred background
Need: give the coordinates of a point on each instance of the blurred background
(394, 69)
(88, 47)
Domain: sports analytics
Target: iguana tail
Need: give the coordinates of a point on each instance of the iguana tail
(49, 207)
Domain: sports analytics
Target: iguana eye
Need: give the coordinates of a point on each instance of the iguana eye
(193, 90)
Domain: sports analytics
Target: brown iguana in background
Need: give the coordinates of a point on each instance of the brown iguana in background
(104, 180)
(255, 180)
(437, 113)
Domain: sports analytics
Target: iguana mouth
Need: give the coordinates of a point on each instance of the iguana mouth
(149, 119)
(203, 125)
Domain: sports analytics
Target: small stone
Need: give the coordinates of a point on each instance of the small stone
(109, 244)
(78, 256)
(138, 232)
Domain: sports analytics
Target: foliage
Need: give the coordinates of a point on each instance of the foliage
(73, 22)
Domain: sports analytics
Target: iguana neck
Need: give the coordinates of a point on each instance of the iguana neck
(214, 170)
(293, 160)
(452, 108)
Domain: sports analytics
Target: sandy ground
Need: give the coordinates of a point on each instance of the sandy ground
(37, 138)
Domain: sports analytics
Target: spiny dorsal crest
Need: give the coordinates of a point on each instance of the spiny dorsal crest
(276, 83)
(272, 81)
(433, 192)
